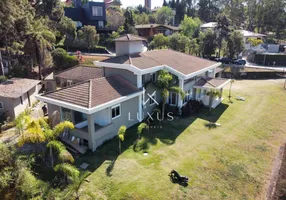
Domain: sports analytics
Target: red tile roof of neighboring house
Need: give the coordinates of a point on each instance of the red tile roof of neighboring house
(81, 73)
(184, 63)
(144, 26)
(16, 87)
(94, 92)
(129, 37)
(207, 82)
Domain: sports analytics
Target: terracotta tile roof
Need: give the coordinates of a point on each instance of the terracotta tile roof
(129, 37)
(184, 63)
(94, 92)
(81, 73)
(207, 82)
(16, 87)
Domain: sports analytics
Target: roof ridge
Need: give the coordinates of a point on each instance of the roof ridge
(70, 86)
(73, 68)
(89, 93)
(208, 82)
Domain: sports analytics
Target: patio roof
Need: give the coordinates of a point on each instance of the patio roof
(211, 83)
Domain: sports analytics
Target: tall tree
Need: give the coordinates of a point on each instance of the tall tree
(165, 3)
(190, 26)
(159, 41)
(208, 10)
(235, 44)
(164, 15)
(190, 4)
(179, 42)
(129, 21)
(222, 30)
(180, 12)
(89, 36)
(166, 83)
(39, 43)
(208, 43)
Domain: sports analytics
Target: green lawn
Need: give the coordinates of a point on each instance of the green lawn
(233, 161)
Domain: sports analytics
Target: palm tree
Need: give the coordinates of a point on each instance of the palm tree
(75, 186)
(39, 42)
(165, 82)
(121, 133)
(212, 94)
(39, 131)
(68, 170)
(229, 94)
(140, 129)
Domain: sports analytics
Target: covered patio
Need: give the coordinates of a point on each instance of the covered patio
(209, 90)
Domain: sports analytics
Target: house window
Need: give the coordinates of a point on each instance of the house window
(21, 100)
(152, 102)
(100, 24)
(97, 11)
(69, 82)
(1, 105)
(115, 111)
(172, 98)
(188, 95)
(153, 77)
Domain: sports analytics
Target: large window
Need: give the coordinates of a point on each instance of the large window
(172, 98)
(153, 77)
(97, 11)
(115, 111)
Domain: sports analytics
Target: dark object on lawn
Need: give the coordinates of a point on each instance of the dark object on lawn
(176, 177)
(45, 110)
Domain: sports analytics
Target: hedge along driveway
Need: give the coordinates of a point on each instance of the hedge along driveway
(233, 161)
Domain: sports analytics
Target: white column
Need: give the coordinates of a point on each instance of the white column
(91, 131)
(181, 85)
(140, 104)
(139, 81)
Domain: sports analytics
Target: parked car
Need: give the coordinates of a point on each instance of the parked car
(239, 62)
(226, 60)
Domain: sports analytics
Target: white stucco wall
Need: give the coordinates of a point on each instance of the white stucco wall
(125, 48)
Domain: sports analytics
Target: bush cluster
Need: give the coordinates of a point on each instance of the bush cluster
(62, 60)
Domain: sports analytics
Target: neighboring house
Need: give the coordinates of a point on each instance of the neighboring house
(77, 74)
(17, 94)
(89, 13)
(208, 26)
(248, 34)
(123, 96)
(148, 30)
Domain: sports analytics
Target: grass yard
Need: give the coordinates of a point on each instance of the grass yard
(233, 161)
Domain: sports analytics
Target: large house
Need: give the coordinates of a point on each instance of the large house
(17, 94)
(89, 13)
(98, 107)
(148, 30)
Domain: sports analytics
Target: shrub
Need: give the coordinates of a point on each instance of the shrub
(3, 79)
(62, 60)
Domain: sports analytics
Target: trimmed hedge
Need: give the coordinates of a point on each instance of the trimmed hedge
(62, 60)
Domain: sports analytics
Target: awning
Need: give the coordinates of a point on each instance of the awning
(211, 83)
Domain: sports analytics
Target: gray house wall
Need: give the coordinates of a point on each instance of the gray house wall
(13, 106)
